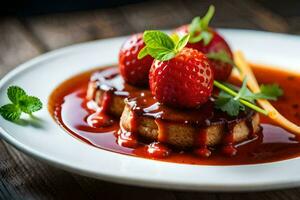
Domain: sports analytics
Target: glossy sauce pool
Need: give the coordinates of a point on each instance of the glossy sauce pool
(67, 105)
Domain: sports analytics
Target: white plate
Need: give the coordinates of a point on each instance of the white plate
(50, 143)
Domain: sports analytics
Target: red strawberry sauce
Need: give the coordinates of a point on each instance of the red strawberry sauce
(71, 110)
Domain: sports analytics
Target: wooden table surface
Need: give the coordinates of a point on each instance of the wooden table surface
(22, 38)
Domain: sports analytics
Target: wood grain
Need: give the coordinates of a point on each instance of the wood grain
(15, 46)
(21, 39)
(21, 176)
(60, 30)
(35, 180)
(226, 16)
(95, 189)
(156, 15)
(262, 17)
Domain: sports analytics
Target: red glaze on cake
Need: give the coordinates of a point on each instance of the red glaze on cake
(145, 117)
(272, 144)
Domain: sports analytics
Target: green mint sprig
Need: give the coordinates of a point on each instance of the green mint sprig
(20, 103)
(161, 46)
(269, 91)
(232, 102)
(199, 29)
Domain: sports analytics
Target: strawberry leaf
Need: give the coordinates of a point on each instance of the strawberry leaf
(199, 30)
(207, 18)
(195, 27)
(204, 36)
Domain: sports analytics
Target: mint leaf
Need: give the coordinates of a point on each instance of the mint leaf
(161, 46)
(143, 52)
(161, 54)
(175, 38)
(14, 94)
(182, 42)
(157, 39)
(21, 102)
(30, 104)
(10, 112)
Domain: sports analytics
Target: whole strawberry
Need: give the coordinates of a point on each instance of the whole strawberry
(134, 71)
(211, 43)
(179, 76)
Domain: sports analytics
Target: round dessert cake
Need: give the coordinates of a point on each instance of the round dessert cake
(143, 116)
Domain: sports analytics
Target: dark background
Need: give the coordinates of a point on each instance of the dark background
(33, 27)
(36, 7)
(287, 8)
